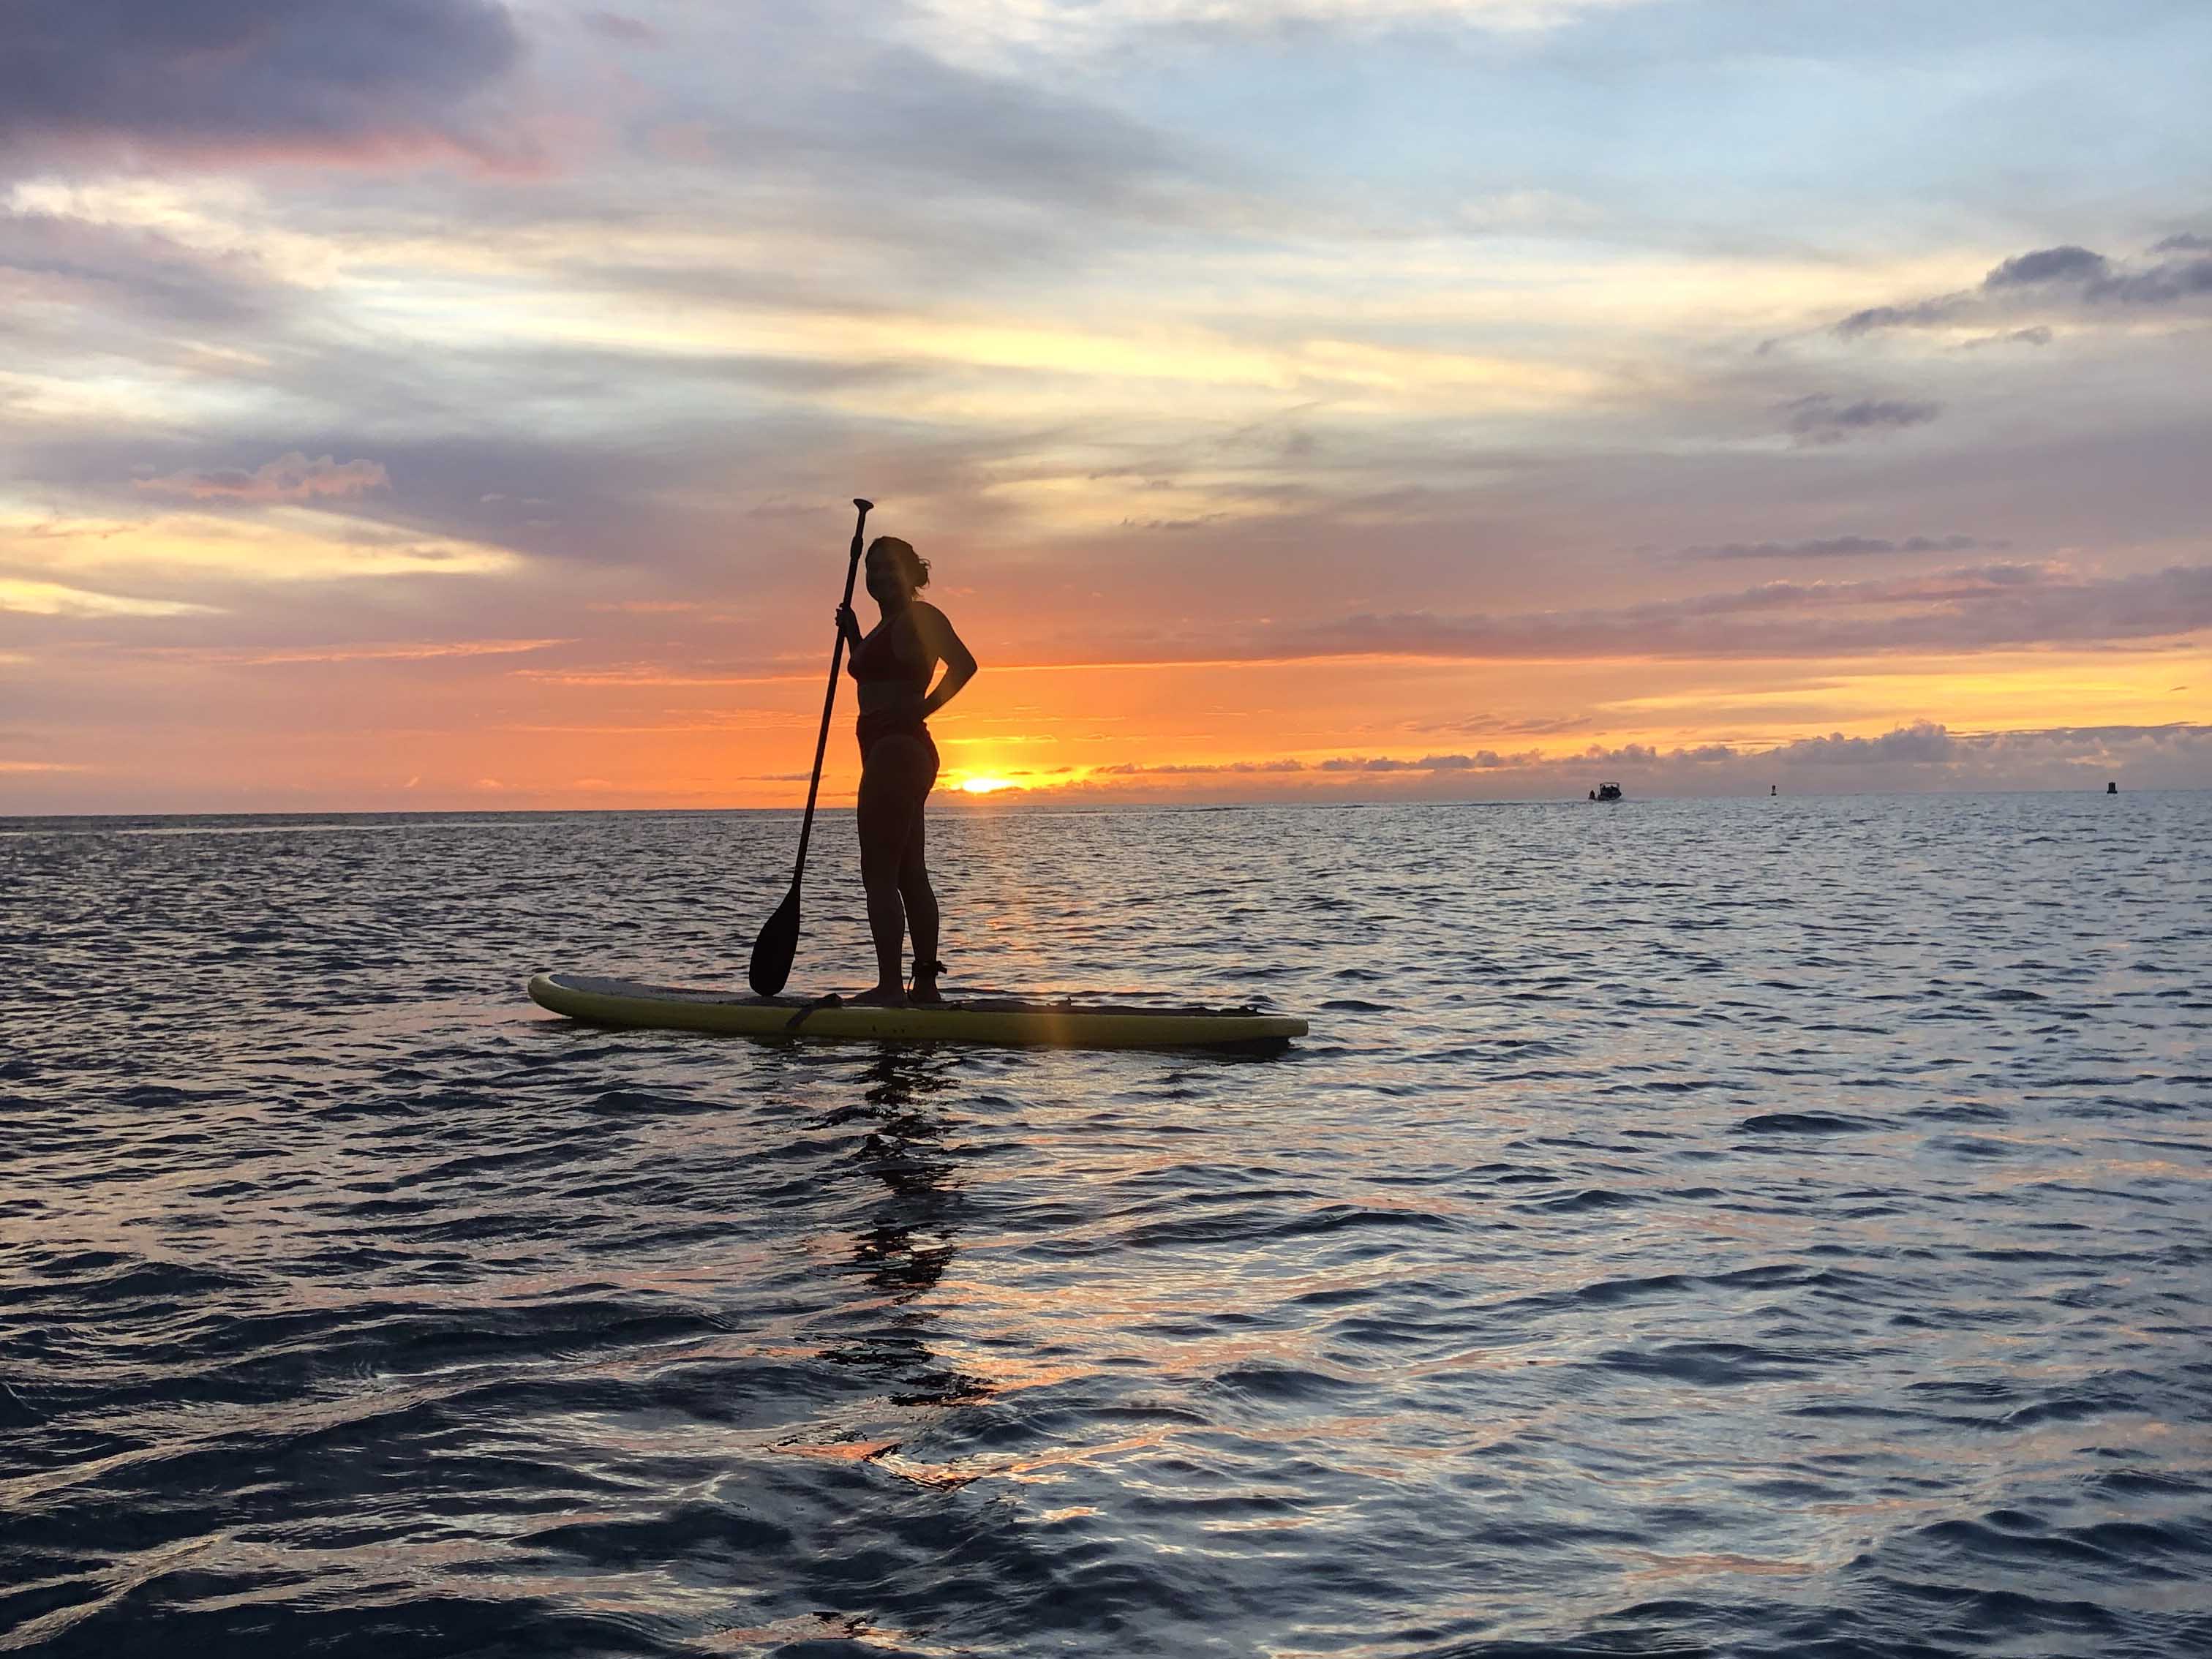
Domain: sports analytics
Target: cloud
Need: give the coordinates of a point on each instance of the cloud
(56, 259)
(1923, 741)
(834, 163)
(2068, 279)
(1837, 547)
(993, 29)
(1820, 419)
(1517, 724)
(2161, 284)
(418, 651)
(247, 78)
(1372, 764)
(1954, 611)
(1924, 313)
(2048, 265)
(42, 598)
(290, 478)
(1922, 754)
(2038, 334)
(1134, 769)
(1969, 608)
(281, 543)
(619, 26)
(1153, 526)
(895, 138)
(1485, 760)
(1926, 745)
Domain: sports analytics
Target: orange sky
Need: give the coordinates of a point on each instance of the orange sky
(502, 724)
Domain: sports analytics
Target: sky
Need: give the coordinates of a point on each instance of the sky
(450, 403)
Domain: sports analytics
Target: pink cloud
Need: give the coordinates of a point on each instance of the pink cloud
(290, 478)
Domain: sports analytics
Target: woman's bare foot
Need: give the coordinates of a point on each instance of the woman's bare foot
(878, 996)
(924, 994)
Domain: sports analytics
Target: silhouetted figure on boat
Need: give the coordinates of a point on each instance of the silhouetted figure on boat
(893, 663)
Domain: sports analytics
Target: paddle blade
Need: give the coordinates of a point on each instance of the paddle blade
(777, 944)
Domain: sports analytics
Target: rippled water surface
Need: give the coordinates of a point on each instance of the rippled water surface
(1752, 1227)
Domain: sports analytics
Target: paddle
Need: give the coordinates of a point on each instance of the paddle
(779, 941)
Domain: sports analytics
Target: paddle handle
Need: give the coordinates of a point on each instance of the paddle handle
(829, 696)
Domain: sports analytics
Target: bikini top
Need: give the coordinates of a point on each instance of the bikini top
(877, 661)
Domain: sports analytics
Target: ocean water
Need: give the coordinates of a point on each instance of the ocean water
(1771, 1227)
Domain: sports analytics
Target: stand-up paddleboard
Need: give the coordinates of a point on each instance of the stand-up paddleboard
(1002, 1022)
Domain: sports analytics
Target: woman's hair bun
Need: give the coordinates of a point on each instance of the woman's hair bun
(915, 567)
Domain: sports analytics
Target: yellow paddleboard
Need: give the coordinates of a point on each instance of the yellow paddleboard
(1002, 1022)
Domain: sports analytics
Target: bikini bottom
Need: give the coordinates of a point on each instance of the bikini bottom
(873, 729)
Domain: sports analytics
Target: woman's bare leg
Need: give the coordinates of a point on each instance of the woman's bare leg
(895, 779)
(922, 918)
(887, 926)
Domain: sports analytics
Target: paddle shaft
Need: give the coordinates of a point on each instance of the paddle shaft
(829, 696)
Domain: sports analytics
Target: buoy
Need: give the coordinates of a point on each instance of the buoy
(2113, 787)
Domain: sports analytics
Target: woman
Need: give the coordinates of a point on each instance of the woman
(894, 664)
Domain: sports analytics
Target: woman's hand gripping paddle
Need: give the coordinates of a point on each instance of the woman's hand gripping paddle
(779, 941)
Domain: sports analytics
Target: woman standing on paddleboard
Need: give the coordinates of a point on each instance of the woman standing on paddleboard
(894, 664)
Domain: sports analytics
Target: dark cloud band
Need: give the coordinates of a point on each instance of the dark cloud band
(1821, 419)
(244, 76)
(1839, 547)
(2067, 277)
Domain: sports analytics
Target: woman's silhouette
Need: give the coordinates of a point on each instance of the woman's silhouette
(893, 663)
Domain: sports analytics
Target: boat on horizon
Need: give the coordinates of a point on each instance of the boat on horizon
(1606, 792)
